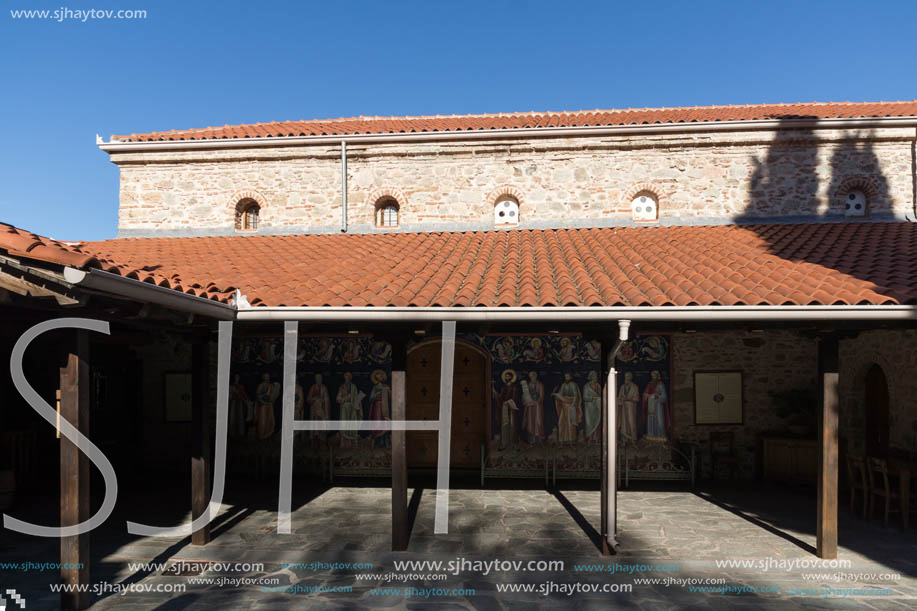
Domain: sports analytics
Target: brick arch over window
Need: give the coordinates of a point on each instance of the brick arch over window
(643, 188)
(377, 195)
(867, 184)
(238, 196)
(505, 191)
(241, 200)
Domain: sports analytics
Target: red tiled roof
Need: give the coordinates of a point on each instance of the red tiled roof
(803, 264)
(26, 245)
(523, 120)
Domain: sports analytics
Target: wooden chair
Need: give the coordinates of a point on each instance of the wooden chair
(722, 452)
(879, 487)
(857, 480)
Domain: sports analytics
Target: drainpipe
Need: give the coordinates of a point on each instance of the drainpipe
(611, 432)
(914, 177)
(343, 186)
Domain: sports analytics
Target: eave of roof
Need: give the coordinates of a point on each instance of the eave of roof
(520, 124)
(866, 270)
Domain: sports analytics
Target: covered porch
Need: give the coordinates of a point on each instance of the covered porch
(219, 398)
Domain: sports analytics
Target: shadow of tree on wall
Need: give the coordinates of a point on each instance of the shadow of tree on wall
(809, 182)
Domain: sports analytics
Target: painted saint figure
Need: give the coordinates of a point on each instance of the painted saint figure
(505, 350)
(380, 401)
(350, 399)
(319, 407)
(239, 408)
(567, 351)
(535, 351)
(533, 403)
(266, 395)
(568, 402)
(325, 350)
(628, 397)
(593, 350)
(350, 351)
(592, 407)
(508, 400)
(656, 418)
(299, 402)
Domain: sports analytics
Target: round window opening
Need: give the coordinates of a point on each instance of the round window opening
(506, 212)
(643, 208)
(855, 204)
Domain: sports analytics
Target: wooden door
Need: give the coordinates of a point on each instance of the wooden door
(876, 405)
(469, 405)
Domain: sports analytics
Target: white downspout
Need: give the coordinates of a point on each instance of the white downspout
(611, 475)
(343, 186)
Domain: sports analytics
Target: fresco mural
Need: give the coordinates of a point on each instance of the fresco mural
(546, 402)
(644, 403)
(644, 382)
(337, 378)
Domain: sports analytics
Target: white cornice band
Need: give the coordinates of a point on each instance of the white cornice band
(114, 146)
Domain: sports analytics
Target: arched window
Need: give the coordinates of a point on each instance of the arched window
(856, 195)
(248, 214)
(506, 211)
(644, 207)
(387, 212)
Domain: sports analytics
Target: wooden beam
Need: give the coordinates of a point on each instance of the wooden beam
(826, 535)
(200, 437)
(74, 473)
(400, 534)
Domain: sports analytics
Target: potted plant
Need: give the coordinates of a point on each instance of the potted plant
(798, 407)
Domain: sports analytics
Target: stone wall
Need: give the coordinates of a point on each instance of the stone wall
(697, 178)
(770, 361)
(896, 353)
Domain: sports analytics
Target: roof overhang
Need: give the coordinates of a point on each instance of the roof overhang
(146, 292)
(693, 314)
(490, 134)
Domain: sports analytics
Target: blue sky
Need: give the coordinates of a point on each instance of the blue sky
(194, 64)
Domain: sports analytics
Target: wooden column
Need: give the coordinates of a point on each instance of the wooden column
(74, 472)
(200, 436)
(826, 541)
(603, 380)
(400, 533)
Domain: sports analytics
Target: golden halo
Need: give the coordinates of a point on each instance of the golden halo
(512, 374)
(378, 376)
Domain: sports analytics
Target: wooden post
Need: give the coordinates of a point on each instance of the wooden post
(200, 437)
(74, 473)
(400, 534)
(603, 380)
(826, 537)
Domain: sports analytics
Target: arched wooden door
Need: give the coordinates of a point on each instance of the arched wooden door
(469, 404)
(876, 405)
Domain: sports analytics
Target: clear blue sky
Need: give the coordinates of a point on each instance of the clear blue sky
(196, 63)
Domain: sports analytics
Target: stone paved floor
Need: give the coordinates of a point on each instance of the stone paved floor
(352, 524)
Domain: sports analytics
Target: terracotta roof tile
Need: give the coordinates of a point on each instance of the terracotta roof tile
(658, 266)
(620, 117)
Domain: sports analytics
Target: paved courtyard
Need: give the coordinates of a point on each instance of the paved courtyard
(351, 524)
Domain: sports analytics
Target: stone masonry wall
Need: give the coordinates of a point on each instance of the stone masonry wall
(896, 353)
(770, 361)
(697, 178)
(786, 360)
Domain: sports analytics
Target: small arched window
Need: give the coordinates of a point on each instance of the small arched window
(506, 211)
(644, 207)
(248, 214)
(387, 212)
